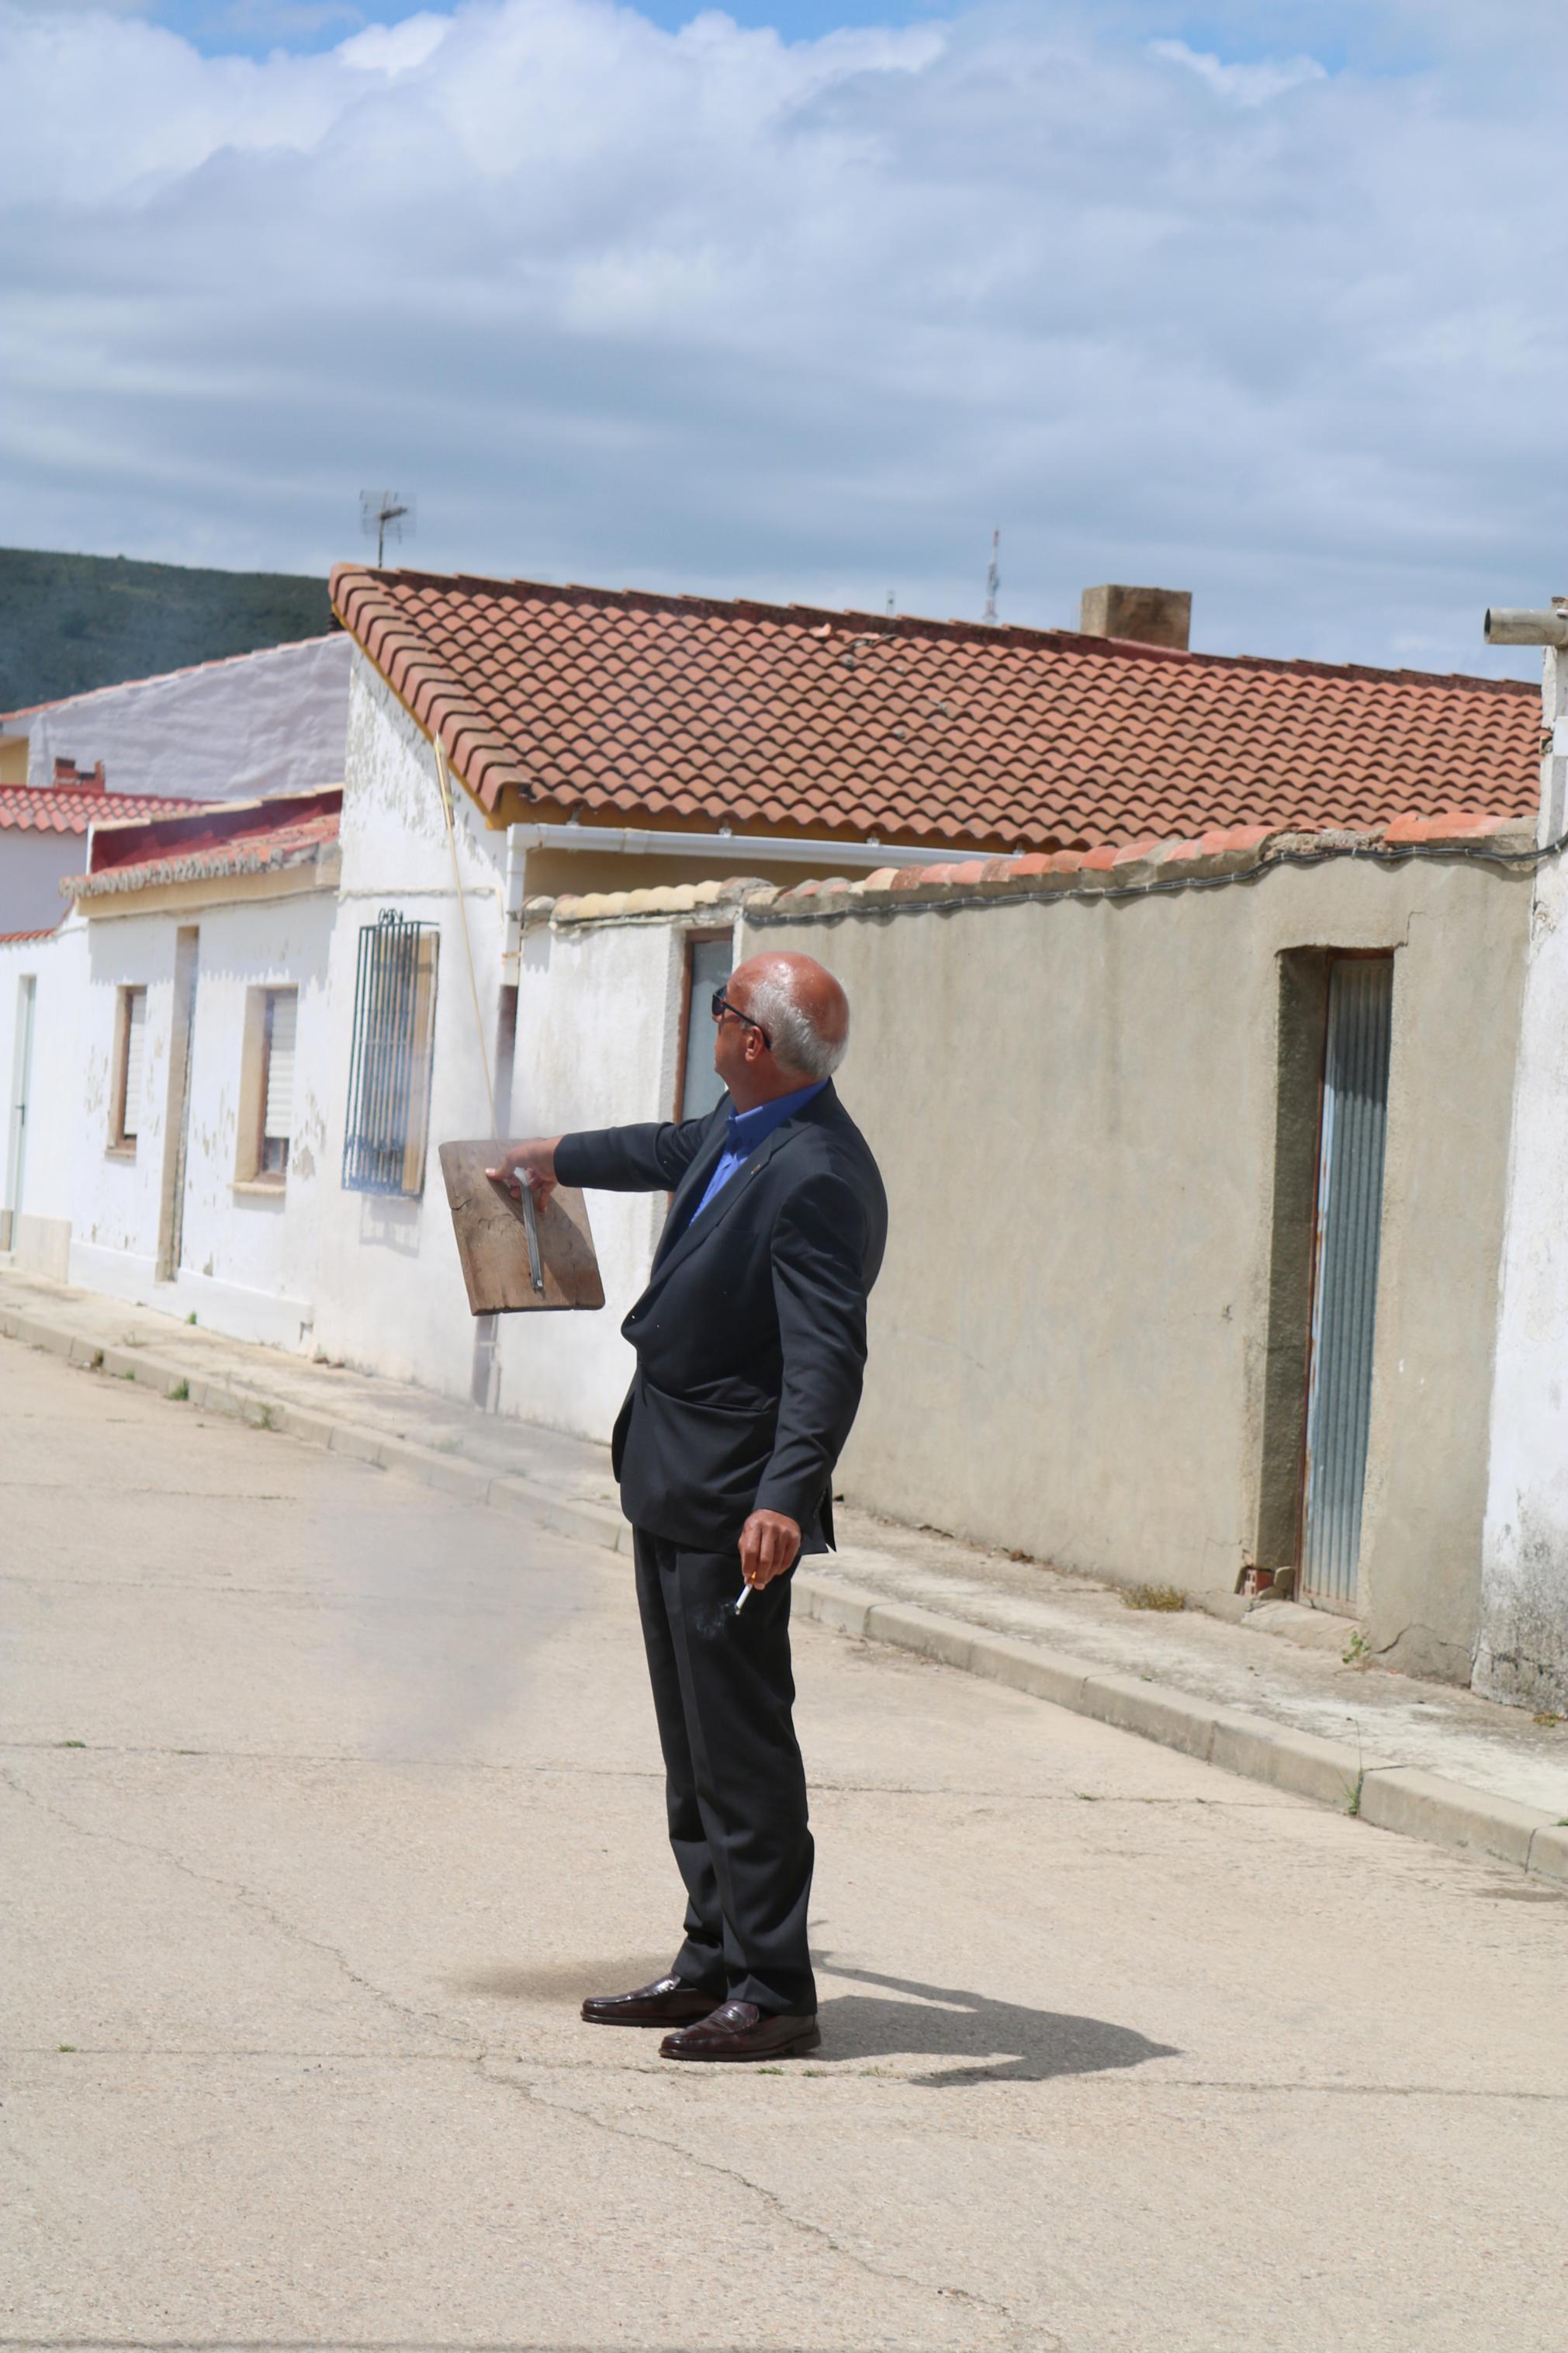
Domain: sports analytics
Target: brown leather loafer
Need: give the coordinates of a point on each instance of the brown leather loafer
(664, 2002)
(740, 2030)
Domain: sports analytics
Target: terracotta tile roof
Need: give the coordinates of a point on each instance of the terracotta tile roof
(204, 844)
(684, 712)
(49, 809)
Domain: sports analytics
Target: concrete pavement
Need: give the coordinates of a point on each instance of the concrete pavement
(1314, 1714)
(327, 1796)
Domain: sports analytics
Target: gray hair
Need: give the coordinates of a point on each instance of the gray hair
(797, 1043)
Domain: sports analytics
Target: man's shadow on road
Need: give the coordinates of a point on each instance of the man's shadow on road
(1046, 2043)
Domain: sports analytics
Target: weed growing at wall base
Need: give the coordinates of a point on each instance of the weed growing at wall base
(1154, 1597)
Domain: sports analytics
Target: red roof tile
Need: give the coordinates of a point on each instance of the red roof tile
(211, 841)
(687, 713)
(49, 809)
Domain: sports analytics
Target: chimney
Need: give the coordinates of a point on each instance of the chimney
(1151, 616)
(70, 778)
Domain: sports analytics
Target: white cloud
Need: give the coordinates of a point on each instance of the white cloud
(1251, 84)
(720, 311)
(395, 48)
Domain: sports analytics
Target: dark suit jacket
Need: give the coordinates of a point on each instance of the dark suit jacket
(751, 1337)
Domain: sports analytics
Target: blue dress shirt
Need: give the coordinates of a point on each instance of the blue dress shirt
(749, 1128)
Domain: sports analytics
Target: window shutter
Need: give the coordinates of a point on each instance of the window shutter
(282, 1022)
(135, 1041)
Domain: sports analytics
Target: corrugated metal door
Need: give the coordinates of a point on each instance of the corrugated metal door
(1344, 1280)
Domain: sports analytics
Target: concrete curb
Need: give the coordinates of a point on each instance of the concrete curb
(1392, 1798)
(157, 1369)
(1414, 1804)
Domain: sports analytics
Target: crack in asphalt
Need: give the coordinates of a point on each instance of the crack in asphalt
(1012, 2341)
(239, 1894)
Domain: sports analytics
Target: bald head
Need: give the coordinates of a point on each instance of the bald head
(800, 1005)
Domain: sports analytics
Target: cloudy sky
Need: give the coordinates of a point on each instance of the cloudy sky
(799, 301)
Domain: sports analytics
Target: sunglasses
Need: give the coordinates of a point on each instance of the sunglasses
(718, 1005)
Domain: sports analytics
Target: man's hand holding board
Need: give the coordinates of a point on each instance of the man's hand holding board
(485, 1186)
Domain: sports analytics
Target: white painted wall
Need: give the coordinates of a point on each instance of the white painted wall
(395, 1303)
(1522, 1652)
(272, 722)
(598, 1046)
(247, 1262)
(248, 1259)
(41, 1232)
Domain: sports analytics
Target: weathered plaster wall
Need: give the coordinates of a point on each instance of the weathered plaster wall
(1523, 1649)
(598, 1043)
(39, 1191)
(1074, 1108)
(395, 1303)
(248, 1263)
(248, 1258)
(113, 1199)
(272, 722)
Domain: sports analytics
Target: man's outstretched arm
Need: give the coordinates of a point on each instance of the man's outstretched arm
(651, 1158)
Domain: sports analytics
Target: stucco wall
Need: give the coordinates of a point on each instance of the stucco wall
(271, 722)
(1523, 1650)
(392, 1300)
(1074, 1106)
(598, 1044)
(41, 1230)
(247, 1262)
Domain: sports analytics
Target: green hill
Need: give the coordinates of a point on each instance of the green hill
(68, 623)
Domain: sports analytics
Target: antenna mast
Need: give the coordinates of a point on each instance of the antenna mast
(992, 580)
(385, 513)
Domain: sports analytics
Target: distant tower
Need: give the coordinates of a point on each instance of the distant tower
(382, 512)
(992, 580)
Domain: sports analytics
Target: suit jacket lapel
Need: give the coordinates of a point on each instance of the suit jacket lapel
(699, 1227)
(689, 1191)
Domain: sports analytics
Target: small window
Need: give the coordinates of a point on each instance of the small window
(266, 1086)
(707, 966)
(389, 1070)
(129, 1070)
(278, 1082)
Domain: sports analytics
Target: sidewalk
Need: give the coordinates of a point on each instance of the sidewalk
(1423, 1759)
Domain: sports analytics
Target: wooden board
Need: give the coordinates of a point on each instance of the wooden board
(492, 1239)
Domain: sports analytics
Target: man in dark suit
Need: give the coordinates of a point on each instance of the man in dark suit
(751, 1342)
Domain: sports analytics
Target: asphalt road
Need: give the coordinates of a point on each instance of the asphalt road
(325, 1800)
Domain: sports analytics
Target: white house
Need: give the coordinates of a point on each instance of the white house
(232, 1063)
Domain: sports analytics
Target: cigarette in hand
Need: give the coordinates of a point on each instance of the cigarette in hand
(746, 1592)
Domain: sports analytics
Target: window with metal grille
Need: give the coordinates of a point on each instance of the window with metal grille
(389, 1070)
(130, 1079)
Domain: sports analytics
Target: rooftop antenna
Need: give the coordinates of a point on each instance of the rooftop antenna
(384, 514)
(992, 580)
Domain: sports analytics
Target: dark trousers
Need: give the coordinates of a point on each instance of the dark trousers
(734, 1782)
